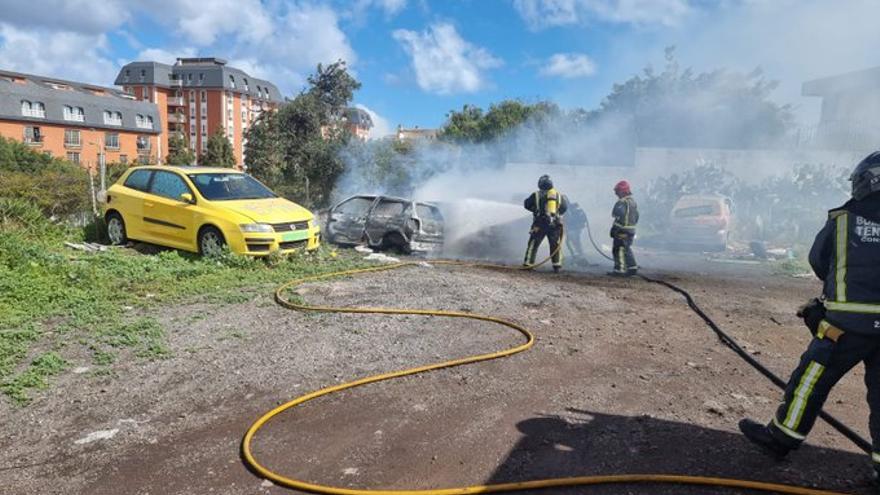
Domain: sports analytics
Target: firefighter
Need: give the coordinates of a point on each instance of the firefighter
(575, 221)
(845, 320)
(547, 206)
(623, 231)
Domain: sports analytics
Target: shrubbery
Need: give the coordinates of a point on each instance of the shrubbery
(58, 188)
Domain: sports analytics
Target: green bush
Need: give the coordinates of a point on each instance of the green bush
(58, 188)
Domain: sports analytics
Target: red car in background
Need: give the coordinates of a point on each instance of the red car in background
(702, 221)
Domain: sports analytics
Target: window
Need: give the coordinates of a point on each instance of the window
(259, 92)
(204, 129)
(143, 73)
(192, 96)
(168, 185)
(72, 138)
(232, 80)
(112, 118)
(32, 135)
(143, 143)
(33, 109)
(201, 77)
(245, 84)
(123, 159)
(189, 77)
(73, 157)
(203, 95)
(76, 114)
(389, 208)
(144, 122)
(139, 179)
(111, 140)
(229, 186)
(355, 206)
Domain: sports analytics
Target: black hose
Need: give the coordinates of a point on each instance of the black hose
(735, 347)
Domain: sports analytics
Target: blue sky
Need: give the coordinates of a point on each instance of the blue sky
(418, 59)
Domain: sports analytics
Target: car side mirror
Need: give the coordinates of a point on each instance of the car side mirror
(187, 198)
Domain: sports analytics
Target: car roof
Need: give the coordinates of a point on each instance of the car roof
(191, 169)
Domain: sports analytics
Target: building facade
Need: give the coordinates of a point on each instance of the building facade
(850, 104)
(197, 97)
(79, 122)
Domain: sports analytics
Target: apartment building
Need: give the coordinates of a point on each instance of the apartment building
(78, 122)
(196, 97)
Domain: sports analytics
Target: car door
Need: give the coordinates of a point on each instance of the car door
(128, 200)
(167, 218)
(385, 217)
(346, 221)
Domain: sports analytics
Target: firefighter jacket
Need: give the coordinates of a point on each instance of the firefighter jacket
(576, 218)
(546, 205)
(846, 257)
(626, 216)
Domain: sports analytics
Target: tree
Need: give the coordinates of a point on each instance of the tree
(219, 152)
(179, 153)
(678, 108)
(297, 150)
(471, 125)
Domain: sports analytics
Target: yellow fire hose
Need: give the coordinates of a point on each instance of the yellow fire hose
(282, 480)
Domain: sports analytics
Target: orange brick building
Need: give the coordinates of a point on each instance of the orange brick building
(78, 122)
(199, 96)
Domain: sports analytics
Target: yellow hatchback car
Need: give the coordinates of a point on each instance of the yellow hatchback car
(203, 209)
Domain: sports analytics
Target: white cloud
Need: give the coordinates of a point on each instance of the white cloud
(539, 14)
(381, 126)
(204, 22)
(444, 62)
(81, 16)
(65, 55)
(390, 7)
(569, 66)
(165, 56)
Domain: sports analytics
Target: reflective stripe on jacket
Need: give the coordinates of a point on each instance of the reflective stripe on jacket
(846, 257)
(626, 215)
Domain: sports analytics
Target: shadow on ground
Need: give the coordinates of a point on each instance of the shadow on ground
(591, 443)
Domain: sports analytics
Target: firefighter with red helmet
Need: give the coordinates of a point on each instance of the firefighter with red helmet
(623, 231)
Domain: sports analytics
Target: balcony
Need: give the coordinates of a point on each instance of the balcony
(176, 118)
(176, 101)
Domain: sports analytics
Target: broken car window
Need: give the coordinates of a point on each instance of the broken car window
(389, 208)
(429, 213)
(355, 206)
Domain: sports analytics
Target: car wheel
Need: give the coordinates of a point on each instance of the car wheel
(211, 242)
(398, 243)
(116, 229)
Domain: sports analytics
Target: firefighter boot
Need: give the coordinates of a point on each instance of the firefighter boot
(761, 436)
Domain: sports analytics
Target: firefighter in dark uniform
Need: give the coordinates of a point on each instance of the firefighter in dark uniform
(575, 222)
(623, 231)
(845, 321)
(547, 206)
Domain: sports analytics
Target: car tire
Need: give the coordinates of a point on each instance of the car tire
(211, 241)
(398, 243)
(116, 229)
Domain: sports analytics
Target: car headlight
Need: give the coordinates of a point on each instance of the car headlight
(256, 227)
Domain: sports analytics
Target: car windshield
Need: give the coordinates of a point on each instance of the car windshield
(695, 211)
(227, 187)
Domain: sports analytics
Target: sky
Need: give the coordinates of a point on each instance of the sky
(419, 59)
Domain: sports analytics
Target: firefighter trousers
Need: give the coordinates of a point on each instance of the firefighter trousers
(823, 364)
(536, 237)
(624, 259)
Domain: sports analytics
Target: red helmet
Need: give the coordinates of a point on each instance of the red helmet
(622, 188)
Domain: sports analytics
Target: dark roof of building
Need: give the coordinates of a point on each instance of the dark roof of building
(850, 81)
(196, 73)
(55, 94)
(358, 117)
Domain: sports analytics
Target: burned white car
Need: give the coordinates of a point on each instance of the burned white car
(384, 222)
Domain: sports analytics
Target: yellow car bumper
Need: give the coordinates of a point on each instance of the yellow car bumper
(262, 244)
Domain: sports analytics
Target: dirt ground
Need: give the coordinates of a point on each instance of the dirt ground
(623, 379)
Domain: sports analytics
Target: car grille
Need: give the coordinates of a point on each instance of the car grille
(292, 244)
(290, 226)
(256, 248)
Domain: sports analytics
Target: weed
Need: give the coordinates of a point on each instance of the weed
(36, 376)
(86, 300)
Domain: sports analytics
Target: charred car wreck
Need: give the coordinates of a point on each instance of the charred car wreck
(384, 222)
